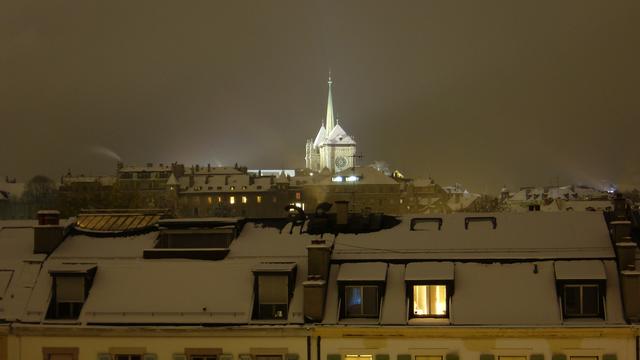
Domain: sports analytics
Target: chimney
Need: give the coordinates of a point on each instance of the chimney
(342, 212)
(620, 231)
(209, 167)
(315, 288)
(619, 207)
(48, 234)
(197, 168)
(630, 282)
(626, 253)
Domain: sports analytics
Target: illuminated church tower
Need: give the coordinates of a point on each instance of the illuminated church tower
(332, 148)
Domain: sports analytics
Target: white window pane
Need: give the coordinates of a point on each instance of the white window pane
(69, 289)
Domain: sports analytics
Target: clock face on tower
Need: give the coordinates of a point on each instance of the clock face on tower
(341, 162)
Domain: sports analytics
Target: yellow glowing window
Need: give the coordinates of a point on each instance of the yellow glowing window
(298, 196)
(429, 300)
(258, 199)
(358, 357)
(244, 199)
(232, 199)
(219, 199)
(233, 188)
(209, 200)
(428, 357)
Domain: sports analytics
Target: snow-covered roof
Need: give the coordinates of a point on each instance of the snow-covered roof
(338, 136)
(366, 271)
(580, 270)
(322, 133)
(421, 271)
(517, 236)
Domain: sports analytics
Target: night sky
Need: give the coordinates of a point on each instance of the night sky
(484, 93)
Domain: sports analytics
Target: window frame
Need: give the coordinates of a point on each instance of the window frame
(291, 281)
(48, 351)
(380, 285)
(409, 294)
(599, 284)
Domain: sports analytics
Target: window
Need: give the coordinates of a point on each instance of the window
(274, 288)
(209, 200)
(127, 357)
(60, 353)
(244, 199)
(361, 301)
(430, 357)
(202, 353)
(298, 196)
(273, 296)
(70, 287)
(512, 357)
(583, 358)
(233, 188)
(581, 300)
(232, 200)
(358, 357)
(203, 357)
(268, 357)
(219, 199)
(429, 301)
(259, 199)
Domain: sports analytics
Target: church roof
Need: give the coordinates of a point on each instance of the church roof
(322, 133)
(339, 136)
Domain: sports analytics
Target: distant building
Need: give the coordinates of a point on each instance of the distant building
(332, 148)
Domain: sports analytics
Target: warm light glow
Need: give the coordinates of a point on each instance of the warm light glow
(336, 179)
(232, 199)
(352, 178)
(259, 199)
(298, 196)
(244, 199)
(209, 200)
(429, 300)
(358, 357)
(219, 199)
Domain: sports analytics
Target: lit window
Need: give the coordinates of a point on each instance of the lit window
(244, 199)
(259, 199)
(358, 357)
(429, 300)
(298, 196)
(209, 200)
(361, 301)
(219, 199)
(401, 201)
(352, 178)
(244, 187)
(581, 300)
(232, 199)
(337, 179)
(233, 188)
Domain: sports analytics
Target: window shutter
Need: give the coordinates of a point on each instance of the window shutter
(487, 357)
(104, 356)
(292, 357)
(382, 356)
(149, 357)
(179, 357)
(609, 357)
(404, 357)
(334, 357)
(536, 357)
(225, 356)
(452, 356)
(558, 357)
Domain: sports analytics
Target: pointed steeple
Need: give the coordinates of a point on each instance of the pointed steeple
(330, 121)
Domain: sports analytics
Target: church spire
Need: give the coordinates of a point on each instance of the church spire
(330, 122)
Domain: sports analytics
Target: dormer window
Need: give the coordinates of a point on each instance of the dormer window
(429, 288)
(361, 287)
(274, 285)
(71, 284)
(581, 286)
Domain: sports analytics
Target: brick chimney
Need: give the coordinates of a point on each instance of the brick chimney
(48, 234)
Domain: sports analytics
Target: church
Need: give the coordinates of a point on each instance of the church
(332, 148)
